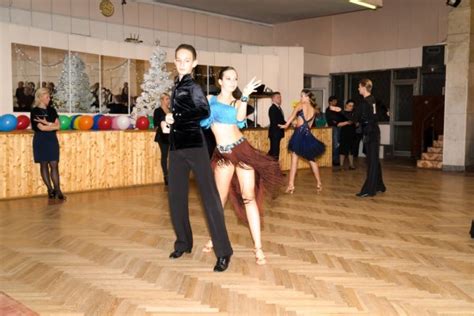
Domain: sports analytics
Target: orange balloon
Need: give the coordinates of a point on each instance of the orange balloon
(86, 122)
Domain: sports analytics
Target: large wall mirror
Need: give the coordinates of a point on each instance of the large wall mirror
(87, 83)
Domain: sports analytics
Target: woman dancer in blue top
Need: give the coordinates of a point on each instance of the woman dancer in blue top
(302, 142)
(242, 172)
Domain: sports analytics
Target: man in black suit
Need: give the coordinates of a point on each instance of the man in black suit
(274, 132)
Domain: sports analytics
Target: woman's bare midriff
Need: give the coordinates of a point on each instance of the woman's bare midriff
(226, 133)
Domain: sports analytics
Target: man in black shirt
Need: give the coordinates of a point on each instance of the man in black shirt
(275, 133)
(366, 115)
(188, 152)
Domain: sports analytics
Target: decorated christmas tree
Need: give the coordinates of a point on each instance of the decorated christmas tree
(156, 81)
(73, 90)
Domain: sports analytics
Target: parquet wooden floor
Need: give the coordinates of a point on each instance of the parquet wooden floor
(404, 252)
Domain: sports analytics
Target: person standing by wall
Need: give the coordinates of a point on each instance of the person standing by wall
(348, 135)
(45, 123)
(275, 133)
(161, 127)
(333, 118)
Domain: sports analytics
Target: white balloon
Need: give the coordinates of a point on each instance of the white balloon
(123, 122)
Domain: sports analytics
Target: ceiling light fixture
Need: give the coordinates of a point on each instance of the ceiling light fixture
(453, 3)
(364, 4)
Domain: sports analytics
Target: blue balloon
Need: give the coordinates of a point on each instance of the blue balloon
(96, 121)
(73, 118)
(8, 122)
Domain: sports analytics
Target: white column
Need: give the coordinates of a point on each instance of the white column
(458, 151)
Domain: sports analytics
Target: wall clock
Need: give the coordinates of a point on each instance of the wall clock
(106, 8)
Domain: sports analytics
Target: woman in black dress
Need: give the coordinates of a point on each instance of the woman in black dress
(45, 123)
(162, 137)
(348, 135)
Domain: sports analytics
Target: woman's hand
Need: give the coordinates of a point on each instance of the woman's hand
(283, 126)
(41, 121)
(335, 108)
(251, 86)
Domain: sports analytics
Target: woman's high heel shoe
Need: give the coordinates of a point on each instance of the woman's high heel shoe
(208, 246)
(260, 256)
(319, 187)
(290, 189)
(60, 196)
(51, 194)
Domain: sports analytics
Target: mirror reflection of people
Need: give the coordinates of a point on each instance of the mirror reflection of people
(45, 123)
(162, 132)
(29, 97)
(95, 93)
(117, 107)
(242, 172)
(20, 96)
(124, 93)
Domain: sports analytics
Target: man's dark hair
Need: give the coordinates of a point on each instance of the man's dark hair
(332, 98)
(275, 93)
(350, 101)
(188, 48)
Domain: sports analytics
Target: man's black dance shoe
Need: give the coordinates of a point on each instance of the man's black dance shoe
(222, 264)
(178, 253)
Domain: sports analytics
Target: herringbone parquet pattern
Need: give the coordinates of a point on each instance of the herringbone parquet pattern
(405, 252)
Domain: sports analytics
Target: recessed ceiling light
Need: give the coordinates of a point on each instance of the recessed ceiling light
(364, 4)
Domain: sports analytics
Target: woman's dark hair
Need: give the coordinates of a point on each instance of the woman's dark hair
(312, 98)
(188, 48)
(226, 68)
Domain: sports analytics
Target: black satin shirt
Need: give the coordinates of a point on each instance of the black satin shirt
(189, 106)
(368, 120)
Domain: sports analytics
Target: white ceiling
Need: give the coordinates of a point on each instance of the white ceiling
(267, 11)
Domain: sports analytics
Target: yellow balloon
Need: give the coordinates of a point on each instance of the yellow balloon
(76, 122)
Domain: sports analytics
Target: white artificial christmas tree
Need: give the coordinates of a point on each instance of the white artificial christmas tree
(73, 90)
(156, 81)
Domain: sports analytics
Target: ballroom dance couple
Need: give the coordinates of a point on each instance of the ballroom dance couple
(237, 171)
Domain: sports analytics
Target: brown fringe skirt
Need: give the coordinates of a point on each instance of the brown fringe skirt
(268, 176)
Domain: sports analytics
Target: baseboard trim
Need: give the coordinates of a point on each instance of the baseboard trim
(454, 168)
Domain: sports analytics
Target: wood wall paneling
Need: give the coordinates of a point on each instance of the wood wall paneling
(92, 160)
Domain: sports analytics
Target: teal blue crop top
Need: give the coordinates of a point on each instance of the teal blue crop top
(222, 113)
